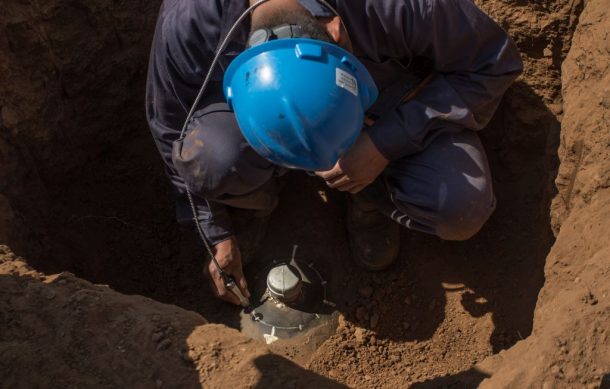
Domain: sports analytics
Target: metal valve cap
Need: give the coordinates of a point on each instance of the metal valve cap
(284, 283)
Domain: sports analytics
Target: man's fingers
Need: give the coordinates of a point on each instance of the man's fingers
(218, 286)
(356, 189)
(223, 292)
(348, 187)
(353, 187)
(331, 174)
(238, 274)
(338, 182)
(243, 285)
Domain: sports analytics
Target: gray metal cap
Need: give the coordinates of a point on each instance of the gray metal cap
(284, 283)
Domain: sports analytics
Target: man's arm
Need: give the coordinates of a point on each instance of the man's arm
(185, 39)
(475, 61)
(174, 77)
(212, 217)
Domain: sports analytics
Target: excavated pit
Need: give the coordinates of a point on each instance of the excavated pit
(82, 190)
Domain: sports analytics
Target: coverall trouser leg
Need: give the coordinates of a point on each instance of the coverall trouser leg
(445, 190)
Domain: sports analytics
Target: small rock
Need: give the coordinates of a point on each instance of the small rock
(164, 345)
(78, 296)
(360, 335)
(406, 326)
(186, 357)
(157, 337)
(49, 294)
(366, 292)
(407, 300)
(590, 299)
(373, 340)
(570, 371)
(557, 109)
(159, 383)
(547, 385)
(555, 370)
(374, 320)
(547, 52)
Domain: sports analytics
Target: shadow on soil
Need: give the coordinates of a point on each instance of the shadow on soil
(469, 379)
(93, 337)
(276, 369)
(126, 351)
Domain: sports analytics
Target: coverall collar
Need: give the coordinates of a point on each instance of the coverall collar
(317, 9)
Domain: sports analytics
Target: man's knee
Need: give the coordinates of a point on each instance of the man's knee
(446, 189)
(462, 214)
(214, 158)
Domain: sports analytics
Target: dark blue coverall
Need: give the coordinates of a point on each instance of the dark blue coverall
(438, 180)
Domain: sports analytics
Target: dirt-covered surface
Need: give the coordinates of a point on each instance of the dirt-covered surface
(63, 332)
(82, 190)
(570, 343)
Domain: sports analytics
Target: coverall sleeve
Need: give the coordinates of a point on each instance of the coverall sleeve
(178, 61)
(475, 61)
(212, 217)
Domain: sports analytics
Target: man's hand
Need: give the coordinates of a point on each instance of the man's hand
(357, 168)
(229, 259)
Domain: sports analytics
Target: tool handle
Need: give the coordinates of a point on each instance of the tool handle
(233, 288)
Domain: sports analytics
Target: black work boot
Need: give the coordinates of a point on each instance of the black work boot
(374, 238)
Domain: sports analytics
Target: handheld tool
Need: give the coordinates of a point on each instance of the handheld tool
(227, 279)
(234, 288)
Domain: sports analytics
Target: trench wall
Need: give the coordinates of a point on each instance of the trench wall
(568, 346)
(72, 82)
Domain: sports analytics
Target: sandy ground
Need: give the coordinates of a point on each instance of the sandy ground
(63, 332)
(523, 304)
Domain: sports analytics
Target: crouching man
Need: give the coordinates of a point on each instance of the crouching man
(437, 68)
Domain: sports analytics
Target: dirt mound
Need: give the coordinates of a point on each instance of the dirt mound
(61, 331)
(82, 190)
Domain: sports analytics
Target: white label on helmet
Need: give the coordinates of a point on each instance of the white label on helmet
(347, 82)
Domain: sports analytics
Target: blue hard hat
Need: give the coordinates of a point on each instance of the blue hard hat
(299, 102)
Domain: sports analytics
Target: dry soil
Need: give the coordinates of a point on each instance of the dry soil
(84, 204)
